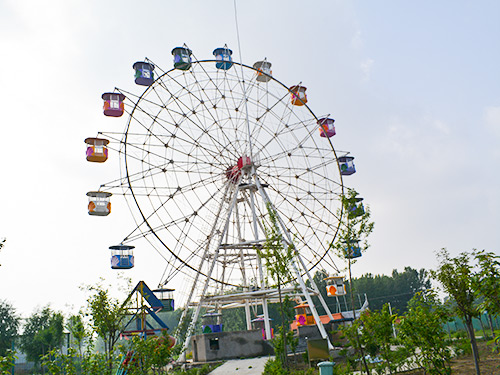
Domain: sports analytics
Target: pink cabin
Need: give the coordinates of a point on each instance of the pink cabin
(326, 127)
(298, 95)
(97, 151)
(113, 104)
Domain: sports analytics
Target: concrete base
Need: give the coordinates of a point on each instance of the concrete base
(229, 345)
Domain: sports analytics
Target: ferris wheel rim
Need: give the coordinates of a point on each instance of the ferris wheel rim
(130, 186)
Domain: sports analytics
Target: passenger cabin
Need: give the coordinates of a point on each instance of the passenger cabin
(352, 250)
(259, 323)
(99, 203)
(166, 296)
(356, 208)
(211, 322)
(264, 71)
(326, 127)
(113, 104)
(144, 75)
(182, 58)
(303, 315)
(299, 96)
(97, 152)
(223, 58)
(122, 257)
(335, 286)
(346, 164)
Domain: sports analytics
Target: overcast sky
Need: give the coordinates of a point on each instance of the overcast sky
(414, 88)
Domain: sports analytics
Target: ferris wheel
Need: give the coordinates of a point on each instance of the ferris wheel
(212, 149)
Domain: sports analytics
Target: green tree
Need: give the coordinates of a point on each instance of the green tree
(43, 332)
(422, 332)
(352, 237)
(396, 289)
(486, 281)
(456, 277)
(9, 325)
(107, 315)
(77, 330)
(377, 336)
(145, 355)
(277, 256)
(7, 361)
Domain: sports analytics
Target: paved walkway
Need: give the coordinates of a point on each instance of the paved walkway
(249, 366)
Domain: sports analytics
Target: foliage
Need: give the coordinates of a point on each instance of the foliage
(422, 333)
(9, 325)
(277, 256)
(42, 333)
(94, 363)
(143, 355)
(355, 229)
(77, 330)
(397, 289)
(107, 315)
(486, 281)
(6, 362)
(456, 277)
(58, 363)
(377, 336)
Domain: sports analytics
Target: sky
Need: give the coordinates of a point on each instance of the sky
(414, 88)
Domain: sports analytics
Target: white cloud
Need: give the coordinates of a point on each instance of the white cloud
(366, 67)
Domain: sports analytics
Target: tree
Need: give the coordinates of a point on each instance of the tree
(377, 336)
(42, 333)
(486, 281)
(107, 315)
(456, 277)
(144, 355)
(422, 328)
(77, 331)
(277, 256)
(9, 325)
(352, 238)
(397, 289)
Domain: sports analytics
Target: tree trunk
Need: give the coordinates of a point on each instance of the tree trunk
(354, 318)
(482, 327)
(472, 337)
(285, 356)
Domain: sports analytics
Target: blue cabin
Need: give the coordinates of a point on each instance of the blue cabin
(346, 164)
(223, 57)
(182, 58)
(122, 257)
(352, 250)
(144, 75)
(356, 209)
(211, 323)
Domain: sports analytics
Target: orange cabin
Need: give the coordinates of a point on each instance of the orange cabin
(303, 315)
(97, 151)
(299, 96)
(113, 104)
